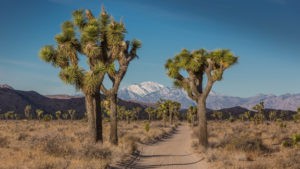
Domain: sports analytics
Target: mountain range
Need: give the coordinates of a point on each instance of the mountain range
(151, 92)
(16, 100)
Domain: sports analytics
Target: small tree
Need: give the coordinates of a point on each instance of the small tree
(192, 113)
(27, 112)
(9, 115)
(272, 115)
(121, 112)
(73, 114)
(39, 113)
(128, 114)
(197, 64)
(247, 115)
(151, 112)
(259, 116)
(58, 115)
(65, 115)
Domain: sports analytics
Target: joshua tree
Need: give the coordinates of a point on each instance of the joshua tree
(58, 115)
(163, 111)
(259, 115)
(174, 108)
(151, 112)
(72, 114)
(121, 112)
(137, 111)
(65, 115)
(198, 64)
(247, 115)
(96, 39)
(27, 112)
(192, 113)
(39, 113)
(128, 114)
(272, 115)
(123, 52)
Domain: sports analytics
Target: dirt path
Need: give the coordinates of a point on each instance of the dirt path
(172, 153)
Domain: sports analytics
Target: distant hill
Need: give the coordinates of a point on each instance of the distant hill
(16, 100)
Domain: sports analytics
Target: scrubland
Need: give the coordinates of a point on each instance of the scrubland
(246, 145)
(63, 144)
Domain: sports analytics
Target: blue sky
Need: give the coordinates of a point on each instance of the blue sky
(265, 34)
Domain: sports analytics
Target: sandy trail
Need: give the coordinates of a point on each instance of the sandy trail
(172, 153)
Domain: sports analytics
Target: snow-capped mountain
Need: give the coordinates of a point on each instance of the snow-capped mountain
(151, 92)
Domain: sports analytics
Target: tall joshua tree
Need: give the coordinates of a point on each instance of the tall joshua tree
(122, 53)
(86, 36)
(198, 65)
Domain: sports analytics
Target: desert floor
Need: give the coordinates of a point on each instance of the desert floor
(63, 144)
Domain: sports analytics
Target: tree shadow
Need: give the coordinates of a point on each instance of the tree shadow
(186, 165)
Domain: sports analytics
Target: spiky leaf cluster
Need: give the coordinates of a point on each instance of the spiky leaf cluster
(197, 64)
(100, 39)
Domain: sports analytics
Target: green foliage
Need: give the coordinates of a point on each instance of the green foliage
(272, 115)
(168, 108)
(147, 126)
(197, 63)
(296, 117)
(121, 112)
(100, 39)
(293, 141)
(151, 112)
(259, 116)
(47, 117)
(9, 115)
(247, 115)
(192, 115)
(58, 115)
(39, 113)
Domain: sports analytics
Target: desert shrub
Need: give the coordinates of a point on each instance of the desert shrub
(147, 126)
(22, 136)
(9, 115)
(129, 144)
(292, 141)
(245, 144)
(57, 146)
(96, 152)
(258, 165)
(290, 161)
(272, 115)
(296, 138)
(47, 117)
(3, 142)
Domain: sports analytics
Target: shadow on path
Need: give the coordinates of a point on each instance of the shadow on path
(165, 165)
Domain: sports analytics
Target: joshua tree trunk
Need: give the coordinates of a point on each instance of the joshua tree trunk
(113, 119)
(93, 109)
(202, 122)
(164, 119)
(171, 117)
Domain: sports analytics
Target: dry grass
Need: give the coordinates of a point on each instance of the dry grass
(64, 144)
(244, 145)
